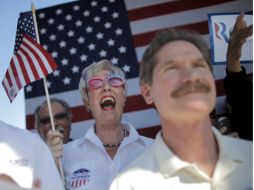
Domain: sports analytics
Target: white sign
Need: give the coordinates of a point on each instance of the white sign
(220, 26)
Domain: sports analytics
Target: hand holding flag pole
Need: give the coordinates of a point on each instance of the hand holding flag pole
(29, 63)
(47, 94)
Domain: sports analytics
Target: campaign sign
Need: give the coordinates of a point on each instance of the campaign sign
(220, 26)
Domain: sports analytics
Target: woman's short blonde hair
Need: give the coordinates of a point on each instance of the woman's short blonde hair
(92, 70)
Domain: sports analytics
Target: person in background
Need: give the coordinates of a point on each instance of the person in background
(62, 118)
(26, 160)
(238, 87)
(92, 161)
(188, 153)
(222, 123)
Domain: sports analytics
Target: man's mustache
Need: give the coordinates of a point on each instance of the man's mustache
(190, 87)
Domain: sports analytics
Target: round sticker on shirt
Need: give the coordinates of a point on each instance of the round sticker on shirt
(79, 178)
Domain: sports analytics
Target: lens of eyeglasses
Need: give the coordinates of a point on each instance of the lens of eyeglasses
(96, 83)
(58, 116)
(115, 81)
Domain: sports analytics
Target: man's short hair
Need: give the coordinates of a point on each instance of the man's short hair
(52, 100)
(161, 38)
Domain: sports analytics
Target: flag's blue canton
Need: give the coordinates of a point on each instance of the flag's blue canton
(80, 33)
(25, 25)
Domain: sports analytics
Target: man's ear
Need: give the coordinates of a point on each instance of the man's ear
(146, 92)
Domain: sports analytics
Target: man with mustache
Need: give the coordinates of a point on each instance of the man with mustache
(189, 153)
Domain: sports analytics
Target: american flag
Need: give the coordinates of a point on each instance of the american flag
(82, 32)
(30, 61)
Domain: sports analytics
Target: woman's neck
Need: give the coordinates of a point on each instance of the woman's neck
(111, 137)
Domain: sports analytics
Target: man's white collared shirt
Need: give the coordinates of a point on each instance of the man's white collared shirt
(159, 168)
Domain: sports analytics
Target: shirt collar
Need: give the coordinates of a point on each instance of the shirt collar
(229, 158)
(225, 147)
(169, 163)
(92, 137)
(133, 136)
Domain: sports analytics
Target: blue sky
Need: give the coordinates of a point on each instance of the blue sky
(14, 113)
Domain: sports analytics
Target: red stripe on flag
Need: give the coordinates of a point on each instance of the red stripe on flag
(40, 62)
(80, 113)
(23, 68)
(29, 63)
(7, 76)
(15, 75)
(135, 103)
(151, 131)
(169, 8)
(220, 90)
(48, 57)
(144, 38)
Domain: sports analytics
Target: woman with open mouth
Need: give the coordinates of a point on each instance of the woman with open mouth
(92, 161)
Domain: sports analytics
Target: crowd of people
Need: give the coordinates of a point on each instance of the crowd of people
(189, 152)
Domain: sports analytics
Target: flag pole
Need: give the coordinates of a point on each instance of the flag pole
(47, 93)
